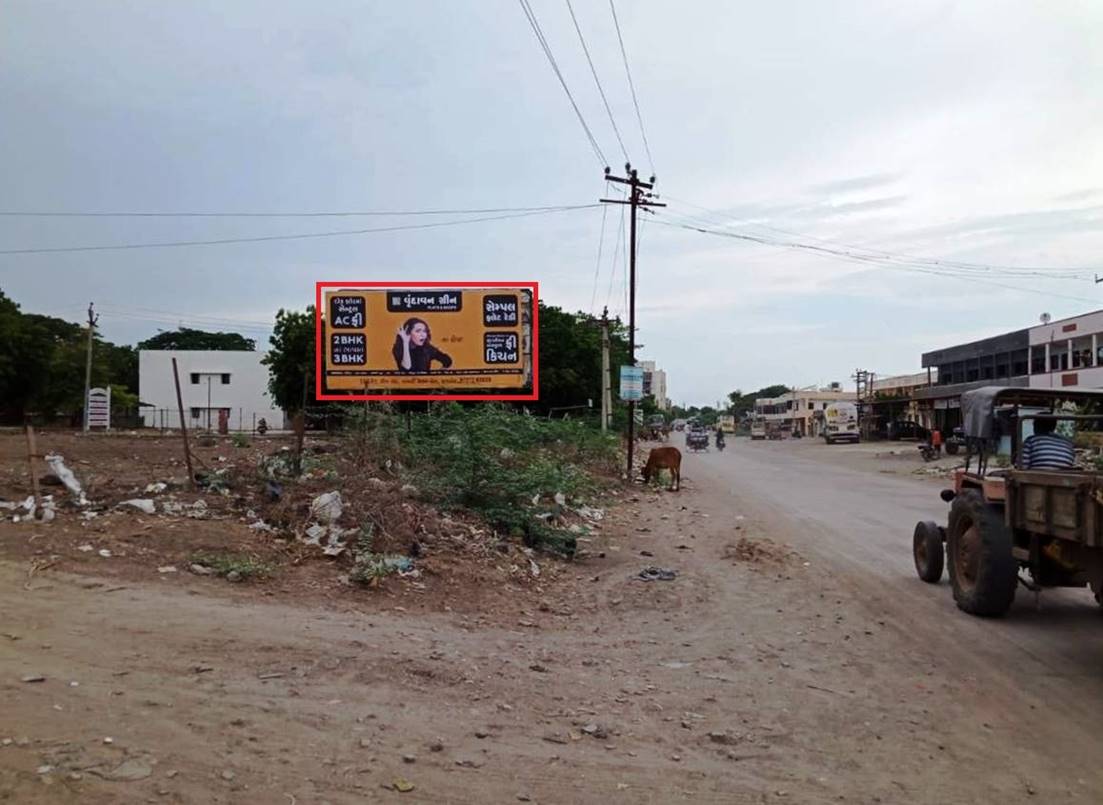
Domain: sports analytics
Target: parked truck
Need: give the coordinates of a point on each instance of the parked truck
(840, 422)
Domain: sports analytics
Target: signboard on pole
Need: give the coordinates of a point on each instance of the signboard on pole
(631, 383)
(99, 408)
(380, 340)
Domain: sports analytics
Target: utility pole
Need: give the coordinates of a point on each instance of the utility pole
(637, 197)
(92, 319)
(606, 395)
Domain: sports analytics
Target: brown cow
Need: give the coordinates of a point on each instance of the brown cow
(664, 458)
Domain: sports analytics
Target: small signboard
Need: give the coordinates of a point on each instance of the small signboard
(631, 383)
(99, 408)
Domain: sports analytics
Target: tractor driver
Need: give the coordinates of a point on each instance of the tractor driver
(1046, 450)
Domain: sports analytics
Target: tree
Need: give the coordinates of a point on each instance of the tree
(290, 360)
(742, 404)
(42, 364)
(570, 357)
(186, 338)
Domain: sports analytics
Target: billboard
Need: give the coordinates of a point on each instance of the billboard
(403, 340)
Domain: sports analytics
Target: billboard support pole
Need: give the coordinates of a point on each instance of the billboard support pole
(183, 424)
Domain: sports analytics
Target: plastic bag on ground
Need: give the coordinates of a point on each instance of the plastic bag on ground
(57, 466)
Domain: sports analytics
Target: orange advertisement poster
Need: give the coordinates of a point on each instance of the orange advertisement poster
(393, 340)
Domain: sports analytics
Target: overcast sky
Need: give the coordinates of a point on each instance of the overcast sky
(959, 130)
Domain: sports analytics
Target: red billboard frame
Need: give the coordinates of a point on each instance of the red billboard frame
(319, 369)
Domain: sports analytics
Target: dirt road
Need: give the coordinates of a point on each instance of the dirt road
(819, 672)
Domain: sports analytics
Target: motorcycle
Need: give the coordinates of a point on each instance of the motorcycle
(720, 442)
(262, 426)
(928, 452)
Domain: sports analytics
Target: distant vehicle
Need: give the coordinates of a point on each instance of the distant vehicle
(679, 424)
(758, 429)
(727, 423)
(955, 442)
(840, 422)
(697, 438)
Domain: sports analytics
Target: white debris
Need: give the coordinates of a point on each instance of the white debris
(167, 569)
(197, 510)
(106, 554)
(57, 466)
(409, 490)
(260, 525)
(157, 488)
(334, 544)
(560, 499)
(328, 507)
(314, 534)
(8, 505)
(590, 513)
(86, 548)
(534, 568)
(142, 504)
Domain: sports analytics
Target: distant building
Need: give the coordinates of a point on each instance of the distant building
(800, 410)
(213, 383)
(894, 401)
(1060, 354)
(654, 384)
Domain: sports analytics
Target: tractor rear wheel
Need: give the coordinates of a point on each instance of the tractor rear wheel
(927, 551)
(983, 572)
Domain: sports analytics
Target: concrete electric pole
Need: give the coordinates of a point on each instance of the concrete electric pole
(92, 319)
(637, 197)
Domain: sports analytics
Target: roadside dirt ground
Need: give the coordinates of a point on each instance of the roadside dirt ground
(755, 675)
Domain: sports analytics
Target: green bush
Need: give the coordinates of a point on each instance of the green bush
(494, 461)
(225, 563)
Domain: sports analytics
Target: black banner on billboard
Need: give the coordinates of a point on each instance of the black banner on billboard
(501, 348)
(349, 349)
(424, 301)
(346, 312)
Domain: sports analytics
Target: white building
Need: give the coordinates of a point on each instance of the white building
(800, 410)
(654, 384)
(1067, 352)
(213, 383)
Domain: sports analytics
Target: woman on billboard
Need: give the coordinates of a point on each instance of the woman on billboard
(412, 350)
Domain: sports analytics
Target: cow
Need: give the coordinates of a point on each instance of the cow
(664, 458)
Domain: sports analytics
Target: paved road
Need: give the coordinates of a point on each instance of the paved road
(859, 522)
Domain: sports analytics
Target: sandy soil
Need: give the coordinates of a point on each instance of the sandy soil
(760, 673)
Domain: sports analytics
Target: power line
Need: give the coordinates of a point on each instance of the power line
(1048, 272)
(597, 80)
(336, 214)
(632, 86)
(597, 266)
(616, 253)
(219, 321)
(305, 236)
(531, 15)
(851, 257)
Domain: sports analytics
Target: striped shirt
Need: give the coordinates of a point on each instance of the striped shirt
(1047, 452)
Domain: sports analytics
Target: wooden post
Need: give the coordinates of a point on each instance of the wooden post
(300, 433)
(32, 454)
(183, 424)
